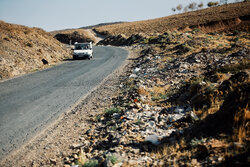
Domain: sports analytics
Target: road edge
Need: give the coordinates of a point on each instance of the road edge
(19, 156)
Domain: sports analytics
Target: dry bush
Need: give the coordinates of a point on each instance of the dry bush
(241, 125)
(211, 4)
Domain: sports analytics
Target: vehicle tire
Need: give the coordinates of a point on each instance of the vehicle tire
(74, 57)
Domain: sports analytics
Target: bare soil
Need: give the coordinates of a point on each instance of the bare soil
(75, 35)
(24, 50)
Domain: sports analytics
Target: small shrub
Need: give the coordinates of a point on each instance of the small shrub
(201, 5)
(195, 30)
(195, 142)
(179, 7)
(234, 68)
(182, 48)
(211, 4)
(98, 118)
(192, 6)
(160, 97)
(113, 159)
(90, 163)
(111, 111)
(139, 122)
(145, 41)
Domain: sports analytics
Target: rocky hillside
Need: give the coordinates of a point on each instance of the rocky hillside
(218, 18)
(184, 101)
(24, 50)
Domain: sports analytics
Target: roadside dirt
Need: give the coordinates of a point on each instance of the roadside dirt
(50, 146)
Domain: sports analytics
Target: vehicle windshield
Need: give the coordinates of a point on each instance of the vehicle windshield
(82, 46)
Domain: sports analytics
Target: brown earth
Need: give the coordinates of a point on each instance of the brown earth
(220, 18)
(24, 50)
(74, 35)
(208, 73)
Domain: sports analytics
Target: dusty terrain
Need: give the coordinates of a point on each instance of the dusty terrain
(24, 50)
(182, 99)
(225, 17)
(166, 106)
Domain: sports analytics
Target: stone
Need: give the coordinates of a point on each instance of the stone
(53, 161)
(75, 156)
(118, 164)
(66, 165)
(136, 70)
(146, 107)
(76, 145)
(135, 151)
(151, 123)
(107, 163)
(154, 139)
(194, 116)
(133, 76)
(45, 62)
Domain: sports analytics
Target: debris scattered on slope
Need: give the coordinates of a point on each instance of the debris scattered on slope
(175, 106)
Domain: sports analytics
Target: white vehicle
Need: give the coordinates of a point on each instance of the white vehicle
(83, 50)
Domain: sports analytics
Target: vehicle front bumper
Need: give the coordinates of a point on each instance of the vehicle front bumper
(81, 55)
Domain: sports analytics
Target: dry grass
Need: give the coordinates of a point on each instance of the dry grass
(220, 146)
(209, 20)
(242, 127)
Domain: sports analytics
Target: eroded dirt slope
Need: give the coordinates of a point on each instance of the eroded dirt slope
(74, 35)
(24, 50)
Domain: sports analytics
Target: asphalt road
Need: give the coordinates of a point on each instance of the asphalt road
(30, 102)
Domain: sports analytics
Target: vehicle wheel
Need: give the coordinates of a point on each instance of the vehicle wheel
(74, 57)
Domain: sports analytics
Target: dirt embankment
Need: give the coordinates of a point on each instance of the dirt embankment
(24, 50)
(220, 18)
(74, 35)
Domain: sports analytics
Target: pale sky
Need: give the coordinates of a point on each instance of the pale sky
(61, 14)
